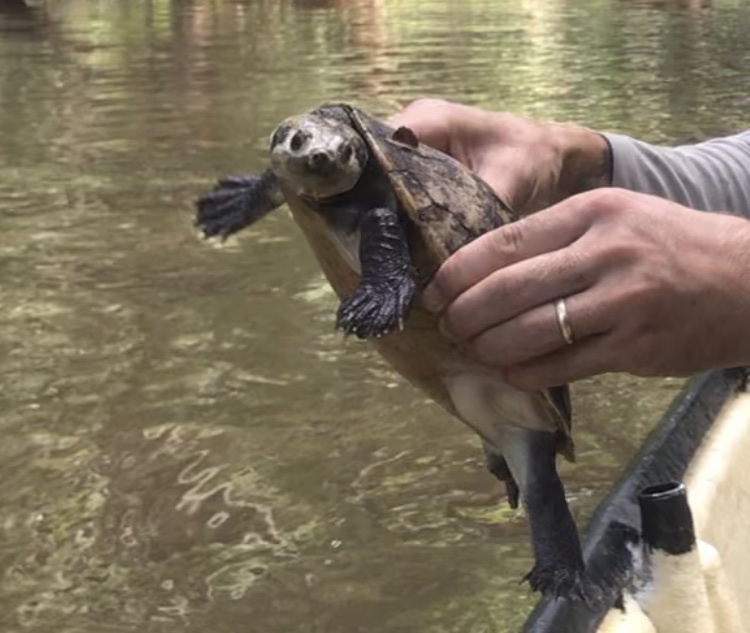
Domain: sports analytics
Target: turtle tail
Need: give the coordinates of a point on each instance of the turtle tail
(236, 202)
(497, 465)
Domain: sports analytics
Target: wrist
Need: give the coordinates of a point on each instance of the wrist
(586, 159)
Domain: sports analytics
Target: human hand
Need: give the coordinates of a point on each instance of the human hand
(651, 288)
(529, 164)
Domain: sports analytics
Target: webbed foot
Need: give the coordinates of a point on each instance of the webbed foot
(235, 202)
(560, 582)
(376, 307)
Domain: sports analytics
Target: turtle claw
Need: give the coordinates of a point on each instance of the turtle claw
(235, 202)
(376, 308)
(221, 213)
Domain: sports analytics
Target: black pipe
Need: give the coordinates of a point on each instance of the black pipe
(666, 520)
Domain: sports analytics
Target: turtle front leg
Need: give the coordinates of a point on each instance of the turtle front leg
(236, 202)
(383, 298)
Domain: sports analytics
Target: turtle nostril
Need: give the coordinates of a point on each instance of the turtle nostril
(319, 160)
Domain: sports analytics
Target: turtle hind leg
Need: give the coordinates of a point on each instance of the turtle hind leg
(382, 300)
(559, 568)
(236, 202)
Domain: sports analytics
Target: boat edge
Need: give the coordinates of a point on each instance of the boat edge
(665, 456)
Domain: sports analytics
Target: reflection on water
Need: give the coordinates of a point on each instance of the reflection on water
(187, 445)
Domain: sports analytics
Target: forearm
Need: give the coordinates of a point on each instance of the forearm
(711, 176)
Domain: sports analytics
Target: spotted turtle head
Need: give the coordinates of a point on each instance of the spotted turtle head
(317, 157)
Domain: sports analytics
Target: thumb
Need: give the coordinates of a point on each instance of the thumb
(429, 119)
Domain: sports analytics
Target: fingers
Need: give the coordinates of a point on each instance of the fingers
(511, 291)
(536, 333)
(581, 360)
(544, 232)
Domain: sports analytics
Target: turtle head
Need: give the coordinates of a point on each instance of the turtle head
(317, 157)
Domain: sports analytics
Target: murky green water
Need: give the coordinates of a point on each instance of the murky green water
(187, 445)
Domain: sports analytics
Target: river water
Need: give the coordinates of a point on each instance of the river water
(188, 446)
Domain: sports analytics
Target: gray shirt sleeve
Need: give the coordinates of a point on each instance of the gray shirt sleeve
(711, 176)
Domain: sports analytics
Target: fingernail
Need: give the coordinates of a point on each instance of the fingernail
(432, 299)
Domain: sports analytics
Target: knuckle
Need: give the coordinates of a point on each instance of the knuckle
(609, 200)
(578, 267)
(619, 243)
(618, 251)
(508, 240)
(421, 104)
(604, 206)
(645, 289)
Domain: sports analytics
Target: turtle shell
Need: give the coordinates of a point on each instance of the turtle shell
(447, 206)
(447, 203)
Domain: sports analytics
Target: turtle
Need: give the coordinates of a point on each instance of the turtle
(381, 212)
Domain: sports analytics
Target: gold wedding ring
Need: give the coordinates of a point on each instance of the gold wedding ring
(564, 321)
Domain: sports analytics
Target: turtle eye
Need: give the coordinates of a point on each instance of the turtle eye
(298, 140)
(346, 153)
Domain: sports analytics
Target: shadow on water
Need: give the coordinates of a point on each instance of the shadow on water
(17, 17)
(187, 443)
(15, 7)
